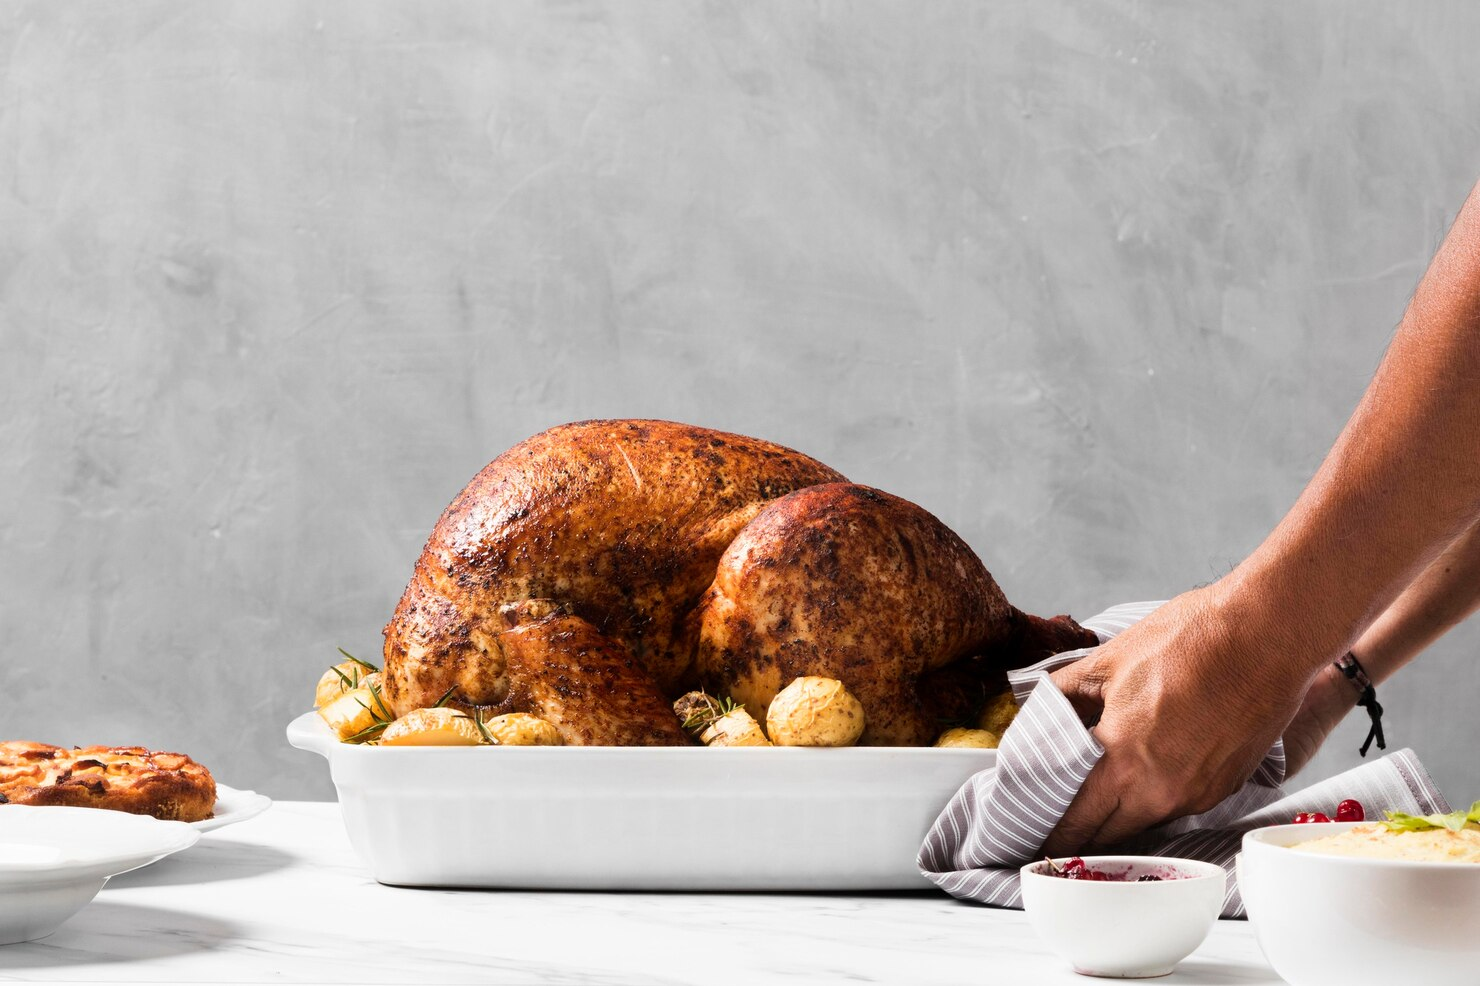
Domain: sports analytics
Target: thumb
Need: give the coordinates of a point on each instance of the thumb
(1083, 685)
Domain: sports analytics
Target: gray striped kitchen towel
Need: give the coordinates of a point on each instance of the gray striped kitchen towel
(1000, 818)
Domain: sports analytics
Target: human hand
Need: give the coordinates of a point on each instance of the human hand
(1188, 702)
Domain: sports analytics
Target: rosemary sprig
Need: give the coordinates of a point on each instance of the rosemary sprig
(364, 664)
(445, 696)
(707, 708)
(378, 712)
(368, 733)
(488, 737)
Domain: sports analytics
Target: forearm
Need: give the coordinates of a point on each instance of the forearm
(1440, 598)
(1401, 483)
(1443, 595)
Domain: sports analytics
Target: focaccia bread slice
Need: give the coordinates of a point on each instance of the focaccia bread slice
(169, 786)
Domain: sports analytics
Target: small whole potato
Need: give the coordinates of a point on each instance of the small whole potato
(814, 711)
(431, 727)
(998, 713)
(522, 729)
(979, 738)
(357, 715)
(342, 677)
(735, 728)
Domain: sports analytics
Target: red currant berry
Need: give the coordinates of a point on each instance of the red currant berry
(1301, 818)
(1318, 816)
(1351, 810)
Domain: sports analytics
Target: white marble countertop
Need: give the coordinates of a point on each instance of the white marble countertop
(282, 898)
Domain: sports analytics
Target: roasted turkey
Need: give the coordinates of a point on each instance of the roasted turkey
(596, 571)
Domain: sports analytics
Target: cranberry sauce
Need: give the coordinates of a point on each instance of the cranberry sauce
(1078, 869)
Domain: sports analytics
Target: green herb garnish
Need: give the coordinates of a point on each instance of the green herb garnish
(483, 730)
(364, 664)
(1398, 821)
(706, 710)
(378, 712)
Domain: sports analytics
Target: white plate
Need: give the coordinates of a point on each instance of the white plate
(641, 818)
(55, 860)
(233, 806)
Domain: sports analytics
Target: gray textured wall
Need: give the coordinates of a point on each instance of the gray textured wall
(1096, 283)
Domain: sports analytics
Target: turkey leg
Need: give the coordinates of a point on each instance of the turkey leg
(852, 583)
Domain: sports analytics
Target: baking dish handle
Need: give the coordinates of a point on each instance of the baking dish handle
(308, 732)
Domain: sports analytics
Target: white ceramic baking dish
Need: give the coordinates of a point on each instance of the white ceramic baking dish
(641, 818)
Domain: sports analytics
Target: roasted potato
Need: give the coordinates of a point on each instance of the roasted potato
(998, 713)
(735, 728)
(432, 727)
(521, 729)
(342, 677)
(357, 715)
(981, 738)
(814, 712)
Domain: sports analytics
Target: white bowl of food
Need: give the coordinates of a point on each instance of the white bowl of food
(1339, 912)
(53, 861)
(1123, 917)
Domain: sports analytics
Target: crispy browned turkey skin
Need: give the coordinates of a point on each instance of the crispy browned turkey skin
(595, 571)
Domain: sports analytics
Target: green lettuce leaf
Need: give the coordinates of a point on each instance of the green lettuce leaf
(1398, 821)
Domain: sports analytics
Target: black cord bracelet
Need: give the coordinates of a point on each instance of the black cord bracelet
(1347, 665)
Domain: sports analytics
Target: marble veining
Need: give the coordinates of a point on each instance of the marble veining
(282, 897)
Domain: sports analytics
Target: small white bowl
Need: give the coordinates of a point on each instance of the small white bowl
(1336, 919)
(55, 860)
(1123, 929)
